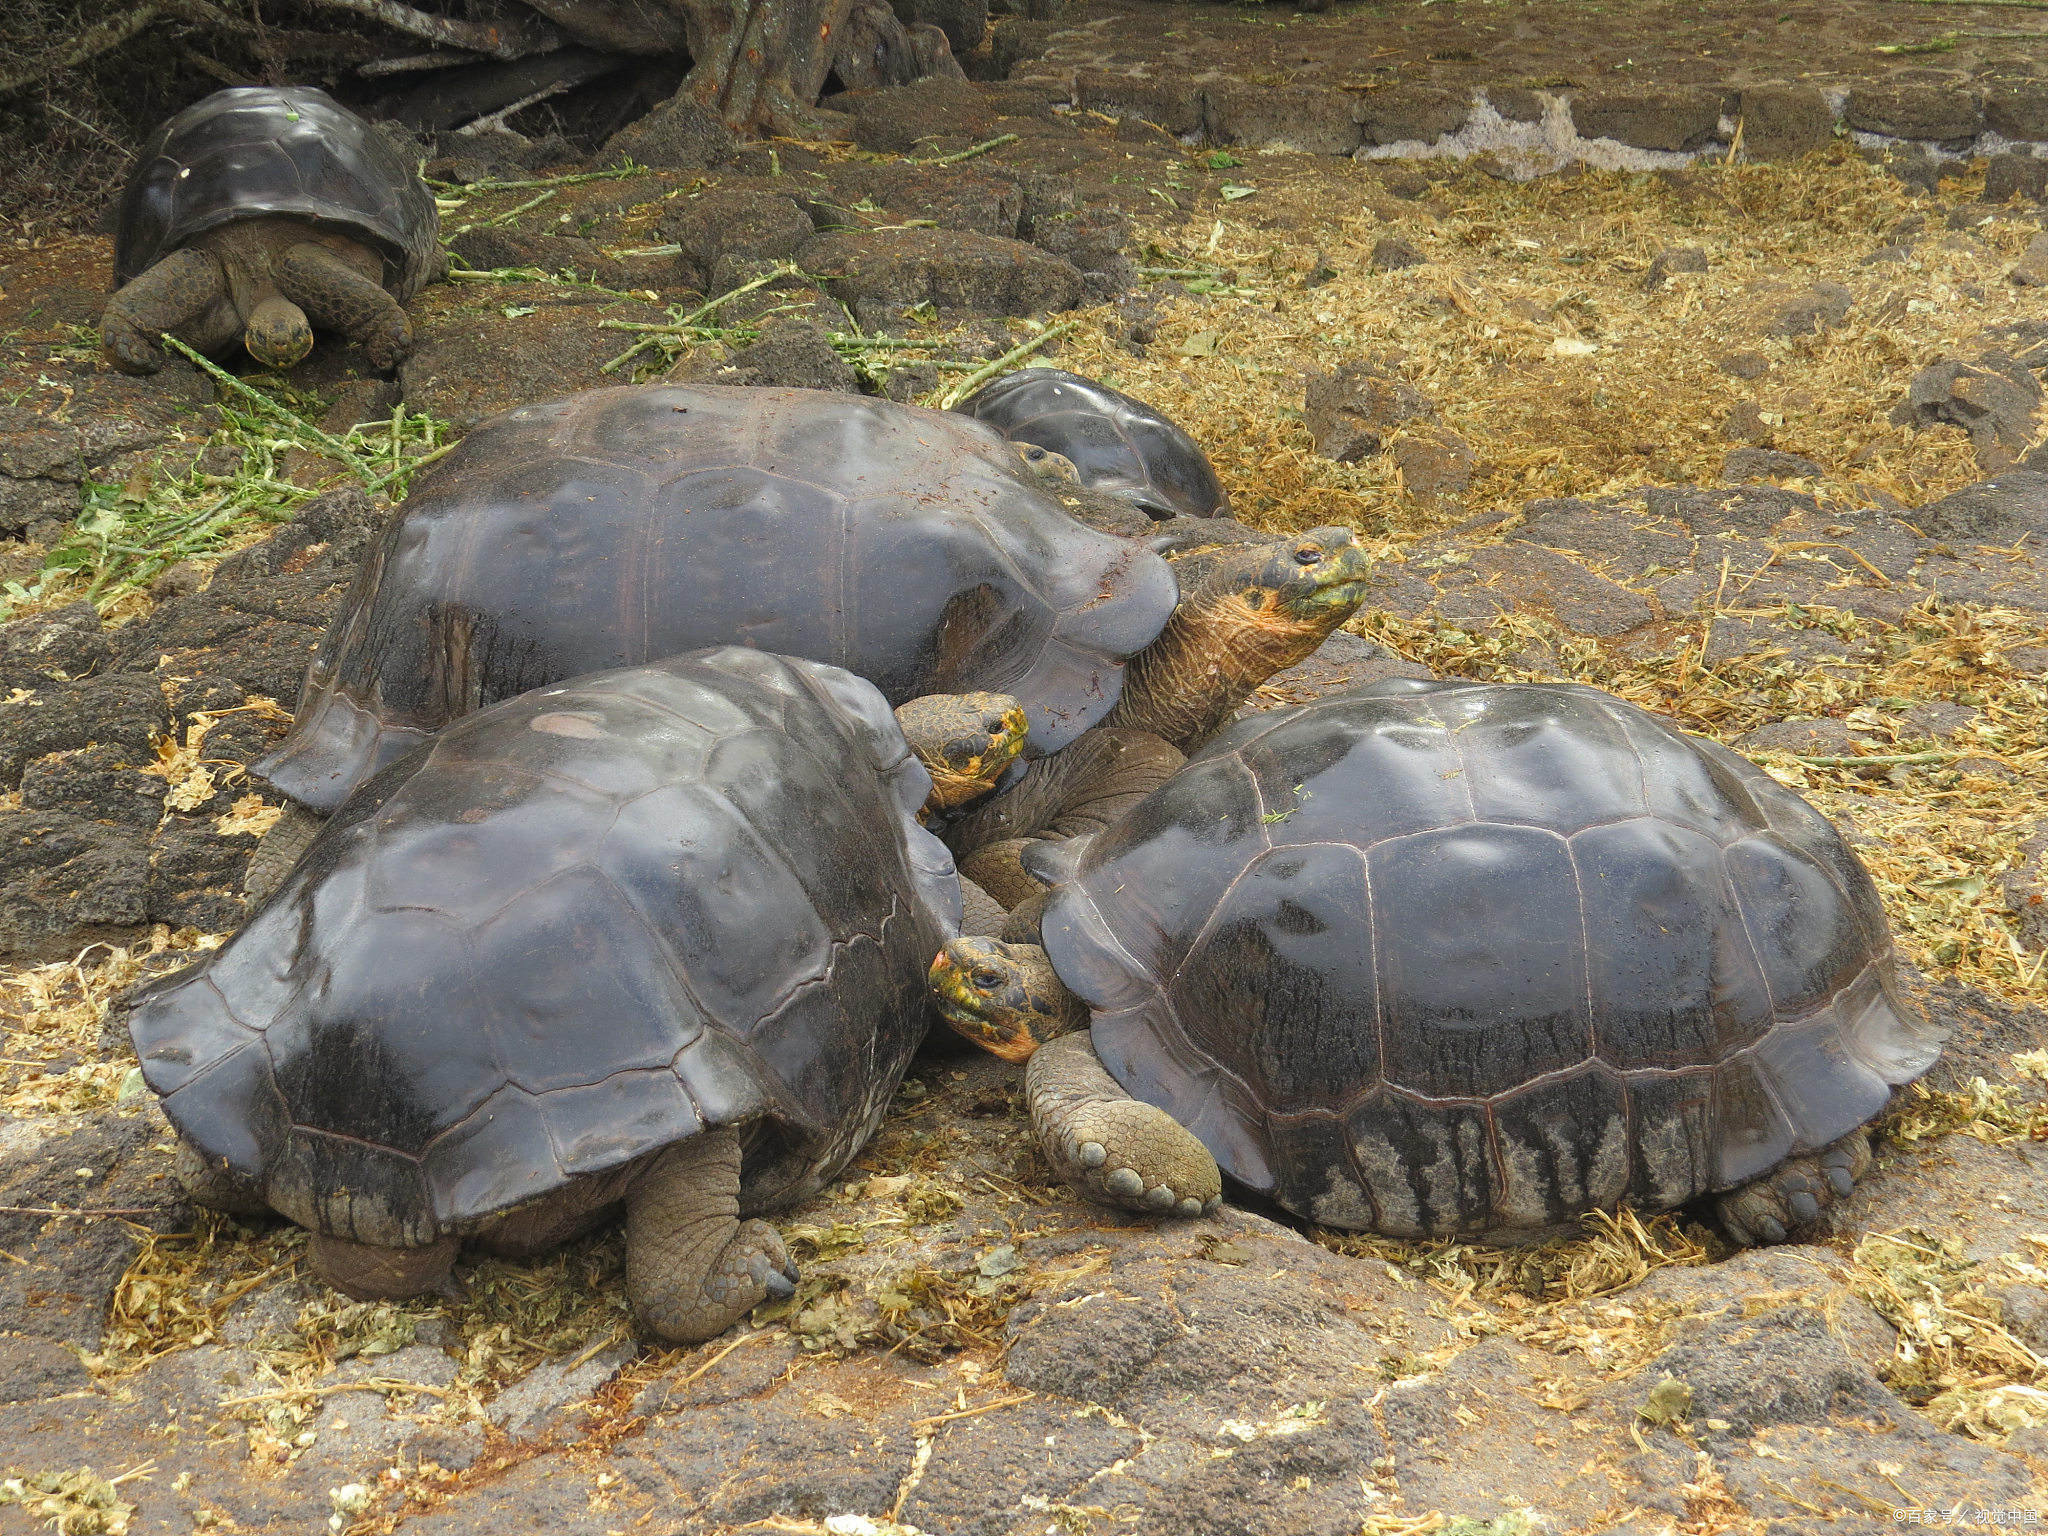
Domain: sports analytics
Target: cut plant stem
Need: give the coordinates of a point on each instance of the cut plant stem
(710, 306)
(1874, 759)
(512, 213)
(1015, 355)
(968, 153)
(333, 446)
(478, 188)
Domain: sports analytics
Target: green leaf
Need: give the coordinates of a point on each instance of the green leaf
(1237, 194)
(101, 522)
(1963, 885)
(1201, 344)
(1000, 1261)
(1222, 162)
(1669, 1401)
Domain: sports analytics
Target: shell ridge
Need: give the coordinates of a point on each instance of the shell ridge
(301, 1128)
(1216, 910)
(1451, 735)
(706, 1018)
(1756, 954)
(1622, 718)
(1571, 853)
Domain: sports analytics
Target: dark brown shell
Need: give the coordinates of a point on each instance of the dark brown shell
(1118, 445)
(1438, 958)
(623, 525)
(256, 152)
(574, 929)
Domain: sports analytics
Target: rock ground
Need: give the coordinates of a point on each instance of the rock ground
(973, 1351)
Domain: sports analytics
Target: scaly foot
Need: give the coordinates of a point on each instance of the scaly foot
(1778, 1206)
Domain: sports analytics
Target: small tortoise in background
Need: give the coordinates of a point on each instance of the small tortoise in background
(255, 215)
(1117, 445)
(656, 937)
(1437, 959)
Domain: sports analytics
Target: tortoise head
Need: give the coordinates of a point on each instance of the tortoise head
(966, 740)
(1316, 579)
(277, 334)
(1006, 998)
(1047, 465)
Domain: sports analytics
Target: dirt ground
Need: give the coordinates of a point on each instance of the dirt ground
(1683, 477)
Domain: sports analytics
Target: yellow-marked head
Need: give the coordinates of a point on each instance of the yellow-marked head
(1317, 578)
(967, 741)
(1006, 998)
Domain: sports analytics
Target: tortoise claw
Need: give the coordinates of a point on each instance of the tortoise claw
(1778, 1206)
(1125, 1182)
(1092, 1154)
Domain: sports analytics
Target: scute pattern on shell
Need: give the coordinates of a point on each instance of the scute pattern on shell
(574, 929)
(1442, 958)
(622, 525)
(1119, 445)
(254, 151)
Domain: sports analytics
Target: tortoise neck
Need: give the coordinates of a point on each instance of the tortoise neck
(1053, 1009)
(1221, 643)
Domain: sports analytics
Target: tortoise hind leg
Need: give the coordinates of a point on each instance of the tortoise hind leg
(170, 296)
(1776, 1207)
(365, 1272)
(214, 1186)
(337, 297)
(1115, 1149)
(693, 1268)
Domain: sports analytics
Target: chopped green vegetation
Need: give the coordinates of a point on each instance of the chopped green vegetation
(204, 498)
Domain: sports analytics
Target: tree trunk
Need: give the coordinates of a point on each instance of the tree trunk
(759, 64)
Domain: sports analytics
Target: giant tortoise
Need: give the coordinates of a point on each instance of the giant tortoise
(1117, 445)
(653, 938)
(618, 526)
(1437, 959)
(254, 215)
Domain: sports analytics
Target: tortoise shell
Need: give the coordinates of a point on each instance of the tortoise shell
(573, 929)
(261, 151)
(623, 525)
(1119, 445)
(1457, 958)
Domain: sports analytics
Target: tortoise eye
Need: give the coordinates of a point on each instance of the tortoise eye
(994, 725)
(1307, 554)
(987, 980)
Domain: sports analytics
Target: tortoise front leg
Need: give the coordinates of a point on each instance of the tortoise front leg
(998, 870)
(693, 1268)
(1776, 1207)
(1115, 1149)
(170, 296)
(289, 837)
(336, 297)
(980, 912)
